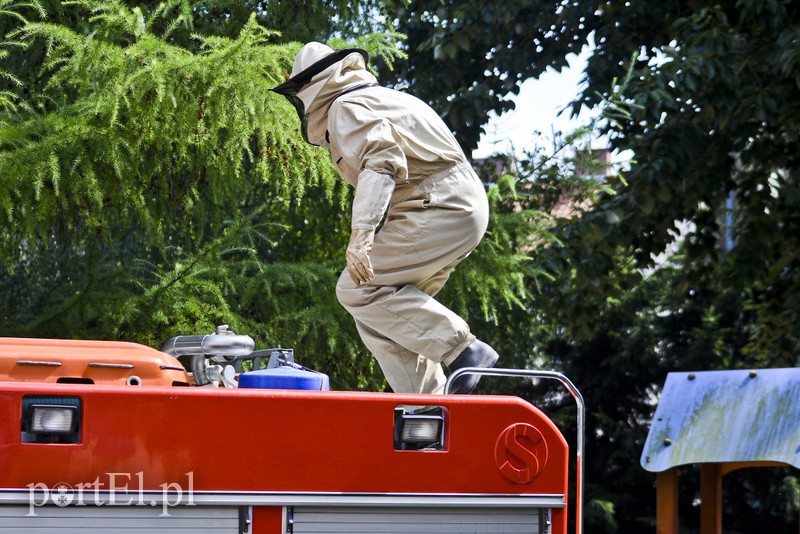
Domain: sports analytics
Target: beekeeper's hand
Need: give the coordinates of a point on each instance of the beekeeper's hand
(373, 192)
(358, 264)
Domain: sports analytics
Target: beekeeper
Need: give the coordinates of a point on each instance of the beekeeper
(405, 164)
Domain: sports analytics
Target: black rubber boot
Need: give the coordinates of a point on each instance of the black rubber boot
(478, 354)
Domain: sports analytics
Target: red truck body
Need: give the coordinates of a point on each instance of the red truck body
(157, 455)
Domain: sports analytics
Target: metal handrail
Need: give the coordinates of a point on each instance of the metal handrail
(567, 383)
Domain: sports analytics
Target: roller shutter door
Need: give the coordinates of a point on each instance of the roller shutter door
(418, 520)
(119, 519)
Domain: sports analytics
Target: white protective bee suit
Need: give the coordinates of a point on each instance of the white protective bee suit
(405, 164)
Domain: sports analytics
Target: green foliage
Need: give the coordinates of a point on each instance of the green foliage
(134, 133)
(717, 121)
(689, 259)
(149, 189)
(11, 9)
(600, 514)
(466, 55)
(711, 115)
(151, 185)
(770, 495)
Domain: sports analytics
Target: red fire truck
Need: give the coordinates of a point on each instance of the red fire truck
(209, 435)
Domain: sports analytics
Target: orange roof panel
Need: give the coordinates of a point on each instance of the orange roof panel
(80, 361)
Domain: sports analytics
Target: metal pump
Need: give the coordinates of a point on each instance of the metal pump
(222, 346)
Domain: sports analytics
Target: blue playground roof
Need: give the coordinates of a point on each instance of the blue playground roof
(726, 416)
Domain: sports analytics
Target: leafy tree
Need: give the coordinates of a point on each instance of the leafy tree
(145, 185)
(709, 115)
(713, 89)
(152, 185)
(467, 55)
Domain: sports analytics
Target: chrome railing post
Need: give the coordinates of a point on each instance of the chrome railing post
(567, 383)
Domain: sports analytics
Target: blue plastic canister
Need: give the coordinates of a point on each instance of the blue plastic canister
(284, 378)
